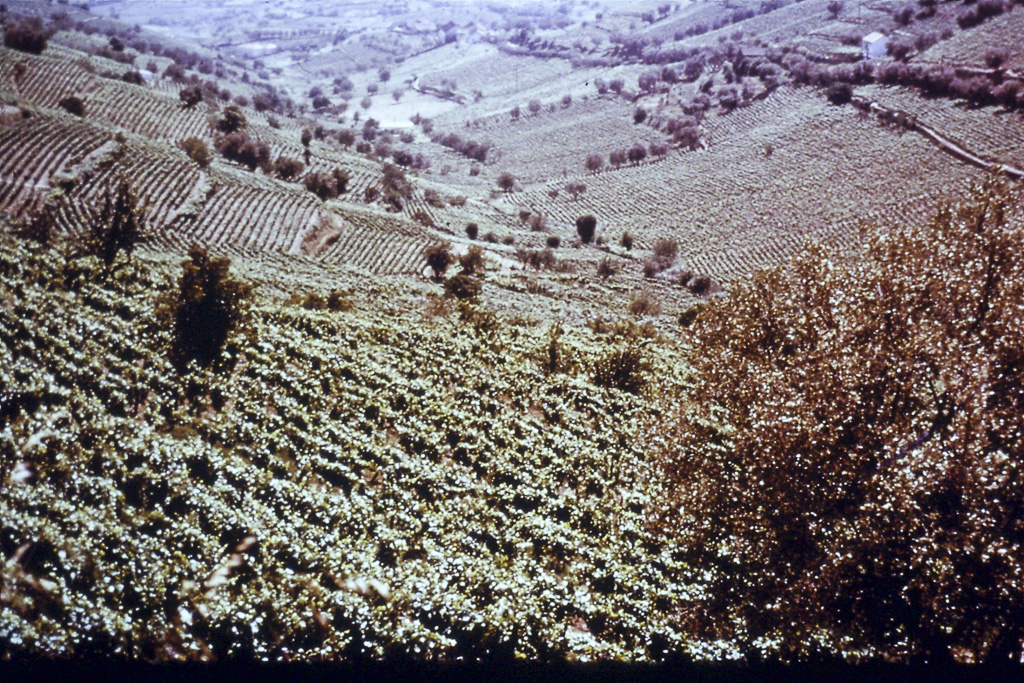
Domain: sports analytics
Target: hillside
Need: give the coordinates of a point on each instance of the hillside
(447, 423)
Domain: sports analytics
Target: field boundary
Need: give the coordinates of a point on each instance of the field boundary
(910, 122)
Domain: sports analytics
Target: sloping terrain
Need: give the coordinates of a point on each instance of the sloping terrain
(394, 456)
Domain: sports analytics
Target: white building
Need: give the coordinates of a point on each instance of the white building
(875, 45)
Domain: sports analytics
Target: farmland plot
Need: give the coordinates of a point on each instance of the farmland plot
(246, 209)
(991, 132)
(552, 144)
(733, 209)
(49, 77)
(140, 110)
(970, 47)
(36, 149)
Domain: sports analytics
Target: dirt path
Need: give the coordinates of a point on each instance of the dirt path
(910, 122)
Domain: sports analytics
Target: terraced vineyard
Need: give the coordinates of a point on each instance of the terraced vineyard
(541, 146)
(36, 149)
(971, 47)
(372, 417)
(732, 209)
(990, 132)
(48, 78)
(384, 460)
(143, 112)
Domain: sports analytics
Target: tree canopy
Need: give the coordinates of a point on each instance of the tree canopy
(849, 468)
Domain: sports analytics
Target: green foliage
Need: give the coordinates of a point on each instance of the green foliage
(73, 105)
(472, 262)
(196, 150)
(207, 308)
(848, 467)
(586, 226)
(439, 257)
(462, 286)
(231, 120)
(625, 368)
(116, 227)
(27, 35)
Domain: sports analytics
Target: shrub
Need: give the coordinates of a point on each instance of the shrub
(339, 301)
(208, 306)
(575, 189)
(433, 198)
(196, 150)
(27, 35)
(995, 59)
(688, 317)
(73, 105)
(190, 96)
(439, 257)
(538, 222)
(644, 304)
(594, 162)
(472, 262)
(626, 242)
(326, 186)
(553, 241)
(287, 168)
(117, 226)
(423, 218)
(586, 226)
(506, 181)
(553, 357)
(880, 395)
(346, 137)
(238, 146)
(625, 369)
(658, 149)
(472, 230)
(640, 115)
(606, 268)
(534, 107)
(39, 226)
(636, 154)
(462, 286)
(666, 250)
(839, 93)
(537, 259)
(232, 119)
(700, 285)
(175, 72)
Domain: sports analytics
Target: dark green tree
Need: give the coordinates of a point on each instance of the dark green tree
(208, 306)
